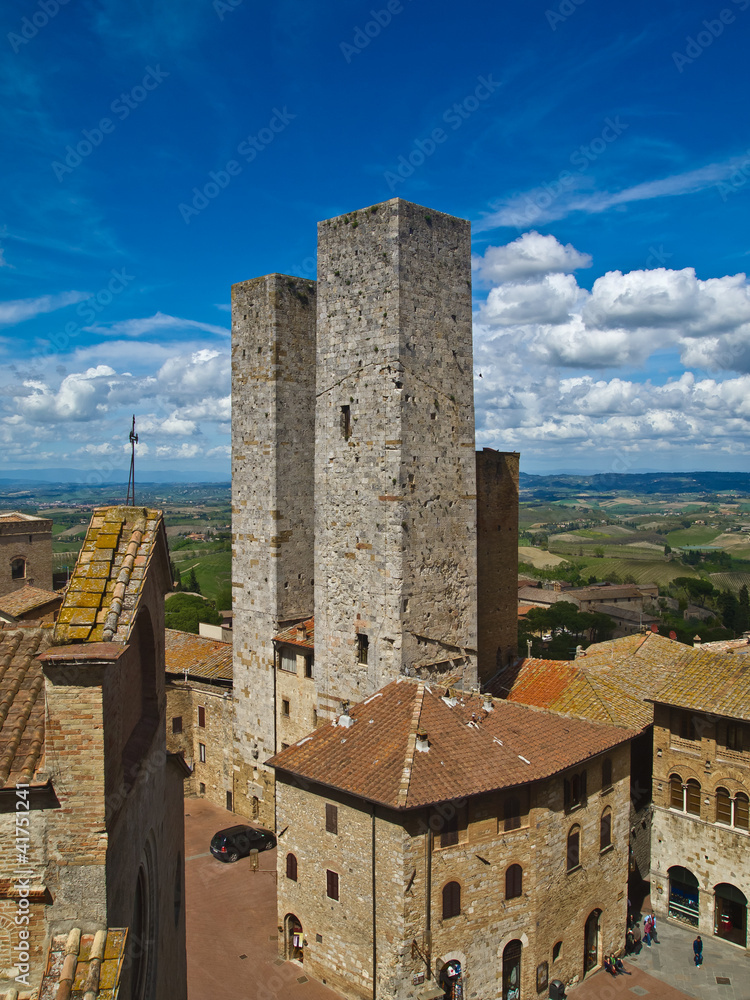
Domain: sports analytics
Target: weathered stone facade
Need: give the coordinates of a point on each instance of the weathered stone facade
(200, 715)
(700, 824)
(392, 871)
(273, 443)
(25, 552)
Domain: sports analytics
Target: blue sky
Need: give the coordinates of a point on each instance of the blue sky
(157, 152)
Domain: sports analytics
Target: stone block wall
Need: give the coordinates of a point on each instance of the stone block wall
(216, 773)
(300, 694)
(273, 441)
(30, 540)
(395, 527)
(497, 559)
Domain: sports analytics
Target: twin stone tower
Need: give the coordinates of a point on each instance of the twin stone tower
(357, 495)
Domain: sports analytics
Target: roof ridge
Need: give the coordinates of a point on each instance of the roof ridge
(123, 579)
(411, 746)
(584, 674)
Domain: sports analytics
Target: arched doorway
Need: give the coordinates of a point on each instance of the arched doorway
(293, 951)
(451, 980)
(730, 913)
(512, 970)
(591, 942)
(683, 895)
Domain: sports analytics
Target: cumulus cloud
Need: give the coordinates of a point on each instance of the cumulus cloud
(18, 310)
(81, 396)
(531, 255)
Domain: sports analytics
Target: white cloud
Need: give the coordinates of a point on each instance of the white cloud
(160, 322)
(549, 300)
(18, 310)
(81, 396)
(531, 255)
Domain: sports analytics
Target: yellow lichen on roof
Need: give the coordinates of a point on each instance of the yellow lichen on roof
(105, 588)
(84, 965)
(198, 655)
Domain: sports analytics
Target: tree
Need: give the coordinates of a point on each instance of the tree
(192, 582)
(743, 610)
(176, 577)
(667, 549)
(599, 551)
(184, 612)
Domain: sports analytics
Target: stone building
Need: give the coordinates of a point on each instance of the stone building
(357, 495)
(25, 551)
(459, 841)
(30, 604)
(700, 851)
(82, 743)
(199, 712)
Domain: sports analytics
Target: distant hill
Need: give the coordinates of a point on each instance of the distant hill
(85, 477)
(658, 483)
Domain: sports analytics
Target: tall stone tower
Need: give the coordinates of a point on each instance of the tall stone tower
(395, 479)
(273, 441)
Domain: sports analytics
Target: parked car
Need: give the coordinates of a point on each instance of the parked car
(237, 841)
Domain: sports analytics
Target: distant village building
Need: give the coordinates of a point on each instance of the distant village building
(452, 845)
(25, 552)
(30, 604)
(82, 744)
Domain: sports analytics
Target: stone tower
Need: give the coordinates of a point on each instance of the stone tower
(273, 441)
(395, 478)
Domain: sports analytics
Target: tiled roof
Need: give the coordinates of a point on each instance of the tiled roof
(716, 683)
(541, 594)
(470, 750)
(21, 703)
(728, 645)
(15, 516)
(627, 614)
(86, 966)
(26, 599)
(200, 656)
(105, 589)
(293, 635)
(604, 593)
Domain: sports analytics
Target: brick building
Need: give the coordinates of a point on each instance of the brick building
(358, 498)
(199, 712)
(82, 742)
(25, 551)
(30, 604)
(425, 836)
(701, 824)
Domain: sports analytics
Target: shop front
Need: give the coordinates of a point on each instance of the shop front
(730, 914)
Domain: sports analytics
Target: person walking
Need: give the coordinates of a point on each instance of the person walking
(652, 927)
(698, 951)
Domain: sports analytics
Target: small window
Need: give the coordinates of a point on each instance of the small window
(574, 789)
(289, 660)
(734, 737)
(201, 717)
(723, 807)
(363, 643)
(574, 848)
(451, 900)
(605, 830)
(202, 788)
(176, 724)
(511, 814)
(309, 665)
(18, 569)
(332, 818)
(676, 797)
(229, 802)
(202, 752)
(346, 422)
(332, 884)
(606, 773)
(513, 882)
(556, 949)
(291, 867)
(285, 707)
(315, 717)
(693, 797)
(454, 824)
(741, 811)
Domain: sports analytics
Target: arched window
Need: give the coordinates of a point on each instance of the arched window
(511, 813)
(606, 773)
(291, 867)
(693, 797)
(451, 900)
(741, 811)
(605, 829)
(574, 848)
(513, 882)
(18, 569)
(676, 796)
(723, 806)
(512, 970)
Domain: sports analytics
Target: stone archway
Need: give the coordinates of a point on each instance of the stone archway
(730, 913)
(591, 946)
(293, 939)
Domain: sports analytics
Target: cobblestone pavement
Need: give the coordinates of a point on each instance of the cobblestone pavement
(231, 921)
(666, 971)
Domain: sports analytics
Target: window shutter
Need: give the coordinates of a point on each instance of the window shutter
(332, 818)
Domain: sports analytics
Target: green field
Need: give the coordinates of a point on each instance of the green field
(697, 535)
(730, 581)
(643, 570)
(213, 572)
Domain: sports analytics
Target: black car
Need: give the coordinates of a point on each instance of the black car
(237, 842)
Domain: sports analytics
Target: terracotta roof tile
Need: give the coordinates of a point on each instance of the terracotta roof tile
(26, 599)
(21, 703)
(470, 750)
(301, 634)
(84, 965)
(715, 683)
(104, 591)
(202, 657)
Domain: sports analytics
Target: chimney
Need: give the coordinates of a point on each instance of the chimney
(423, 744)
(301, 632)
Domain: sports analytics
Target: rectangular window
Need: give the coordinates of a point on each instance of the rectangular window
(177, 724)
(346, 422)
(332, 818)
(332, 884)
(202, 788)
(454, 825)
(285, 707)
(202, 752)
(363, 644)
(201, 717)
(289, 660)
(309, 665)
(229, 801)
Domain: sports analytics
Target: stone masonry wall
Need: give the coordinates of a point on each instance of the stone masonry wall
(497, 559)
(29, 540)
(395, 528)
(273, 404)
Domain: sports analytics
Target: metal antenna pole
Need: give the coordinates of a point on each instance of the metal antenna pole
(130, 499)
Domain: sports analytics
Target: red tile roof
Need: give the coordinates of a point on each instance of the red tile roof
(84, 965)
(202, 657)
(21, 703)
(292, 636)
(470, 750)
(26, 599)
